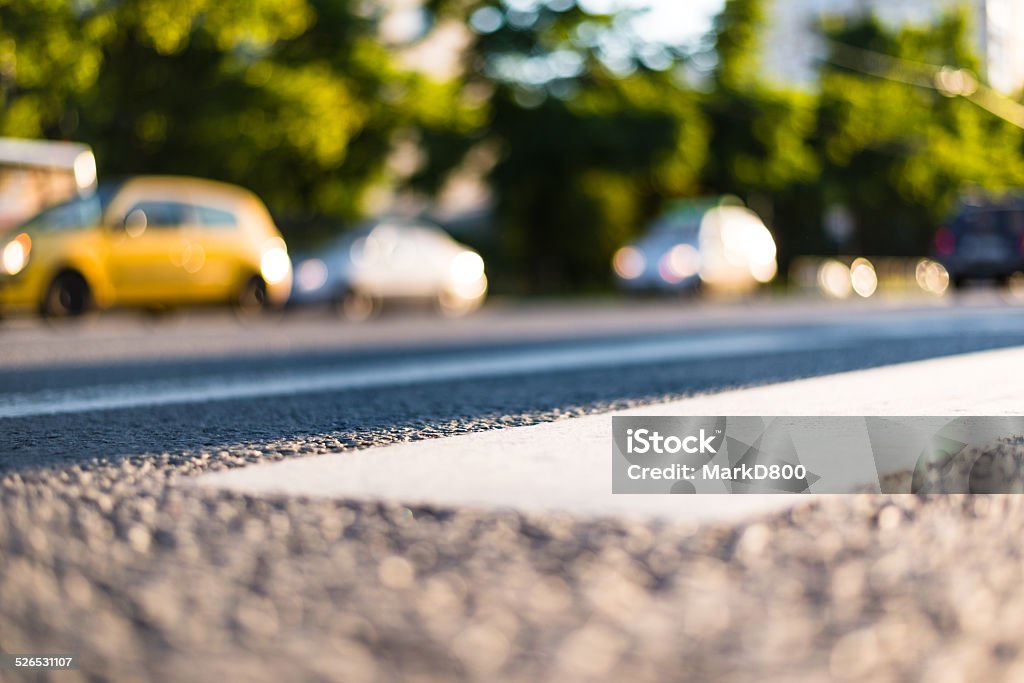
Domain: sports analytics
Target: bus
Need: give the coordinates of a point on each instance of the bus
(35, 174)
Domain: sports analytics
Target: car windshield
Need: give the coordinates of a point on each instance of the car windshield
(995, 221)
(677, 225)
(76, 214)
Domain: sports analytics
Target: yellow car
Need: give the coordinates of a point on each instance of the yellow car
(146, 242)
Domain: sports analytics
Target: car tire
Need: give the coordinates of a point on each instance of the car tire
(694, 291)
(68, 296)
(252, 299)
(451, 305)
(356, 306)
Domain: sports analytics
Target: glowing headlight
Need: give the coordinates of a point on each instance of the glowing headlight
(629, 263)
(932, 277)
(467, 267)
(275, 264)
(85, 170)
(684, 260)
(834, 279)
(311, 275)
(863, 277)
(761, 247)
(15, 254)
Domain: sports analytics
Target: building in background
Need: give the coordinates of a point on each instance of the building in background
(793, 45)
(465, 201)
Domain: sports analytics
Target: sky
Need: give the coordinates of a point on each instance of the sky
(669, 21)
(674, 22)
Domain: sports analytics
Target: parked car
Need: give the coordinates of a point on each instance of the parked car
(983, 240)
(392, 261)
(715, 243)
(146, 242)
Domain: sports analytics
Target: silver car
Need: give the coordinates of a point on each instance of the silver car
(390, 261)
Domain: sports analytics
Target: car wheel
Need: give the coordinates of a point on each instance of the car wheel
(252, 298)
(356, 306)
(452, 305)
(1014, 284)
(68, 296)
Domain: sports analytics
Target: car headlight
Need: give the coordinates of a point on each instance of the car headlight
(311, 275)
(466, 276)
(629, 263)
(467, 267)
(15, 254)
(275, 264)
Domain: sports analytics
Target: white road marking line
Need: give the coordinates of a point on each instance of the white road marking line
(475, 365)
(565, 466)
(422, 370)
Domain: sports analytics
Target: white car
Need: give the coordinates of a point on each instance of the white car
(717, 244)
(392, 261)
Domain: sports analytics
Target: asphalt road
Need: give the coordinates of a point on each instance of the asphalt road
(106, 551)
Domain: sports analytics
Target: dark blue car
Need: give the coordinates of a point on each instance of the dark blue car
(983, 241)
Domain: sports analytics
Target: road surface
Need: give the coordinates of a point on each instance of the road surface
(125, 538)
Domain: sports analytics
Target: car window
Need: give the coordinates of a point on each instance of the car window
(216, 218)
(77, 214)
(677, 225)
(163, 214)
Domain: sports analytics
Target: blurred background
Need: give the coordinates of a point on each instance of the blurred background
(844, 147)
(577, 207)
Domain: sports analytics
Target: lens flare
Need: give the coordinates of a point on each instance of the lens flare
(863, 278)
(467, 267)
(834, 279)
(683, 261)
(932, 277)
(629, 263)
(275, 264)
(311, 275)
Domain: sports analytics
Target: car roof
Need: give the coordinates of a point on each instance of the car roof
(990, 203)
(197, 187)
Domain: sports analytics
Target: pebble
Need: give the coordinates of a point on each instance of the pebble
(150, 580)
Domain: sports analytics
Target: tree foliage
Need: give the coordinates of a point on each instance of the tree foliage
(296, 99)
(899, 154)
(589, 130)
(593, 134)
(873, 136)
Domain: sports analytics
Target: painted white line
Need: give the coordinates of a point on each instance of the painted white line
(422, 370)
(480, 364)
(566, 465)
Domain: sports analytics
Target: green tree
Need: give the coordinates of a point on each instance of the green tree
(593, 134)
(296, 99)
(897, 150)
(874, 135)
(763, 144)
